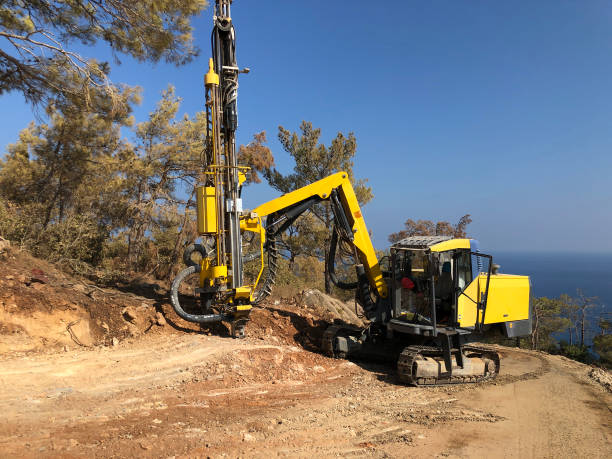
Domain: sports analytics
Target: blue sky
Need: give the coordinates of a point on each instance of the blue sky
(498, 109)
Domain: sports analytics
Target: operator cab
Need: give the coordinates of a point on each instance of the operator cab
(429, 275)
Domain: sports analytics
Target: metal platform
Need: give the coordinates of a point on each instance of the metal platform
(424, 329)
(420, 242)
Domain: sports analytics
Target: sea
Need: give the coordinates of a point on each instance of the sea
(553, 274)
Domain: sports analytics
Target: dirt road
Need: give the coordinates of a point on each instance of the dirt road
(191, 395)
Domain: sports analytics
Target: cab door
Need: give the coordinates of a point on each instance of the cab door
(473, 274)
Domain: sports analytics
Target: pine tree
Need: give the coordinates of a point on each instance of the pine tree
(61, 178)
(37, 60)
(165, 161)
(547, 320)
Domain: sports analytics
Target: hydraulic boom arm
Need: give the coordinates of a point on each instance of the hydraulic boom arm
(349, 220)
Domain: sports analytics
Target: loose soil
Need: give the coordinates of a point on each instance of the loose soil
(129, 378)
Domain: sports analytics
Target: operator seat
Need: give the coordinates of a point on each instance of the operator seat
(444, 286)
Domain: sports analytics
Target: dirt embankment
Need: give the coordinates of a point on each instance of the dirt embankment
(132, 379)
(44, 309)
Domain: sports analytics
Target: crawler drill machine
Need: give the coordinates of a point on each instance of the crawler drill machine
(424, 303)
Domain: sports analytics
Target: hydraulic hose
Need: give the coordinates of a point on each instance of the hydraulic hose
(363, 292)
(266, 285)
(331, 265)
(189, 251)
(362, 284)
(198, 318)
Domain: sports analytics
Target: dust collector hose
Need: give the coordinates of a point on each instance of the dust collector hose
(197, 318)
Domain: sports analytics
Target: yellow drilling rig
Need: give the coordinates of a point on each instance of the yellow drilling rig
(424, 303)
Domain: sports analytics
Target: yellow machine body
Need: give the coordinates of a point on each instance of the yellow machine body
(451, 244)
(206, 212)
(210, 272)
(507, 300)
(206, 209)
(211, 78)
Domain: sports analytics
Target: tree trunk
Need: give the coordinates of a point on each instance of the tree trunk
(534, 332)
(329, 222)
(291, 261)
(177, 244)
(582, 320)
(62, 204)
(129, 247)
(51, 205)
(136, 240)
(328, 284)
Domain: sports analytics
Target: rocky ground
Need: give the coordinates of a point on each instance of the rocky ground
(86, 371)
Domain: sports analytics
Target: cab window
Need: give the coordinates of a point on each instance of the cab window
(464, 270)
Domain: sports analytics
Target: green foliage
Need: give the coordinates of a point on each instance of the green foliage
(14, 224)
(547, 320)
(35, 35)
(579, 353)
(74, 189)
(554, 315)
(563, 314)
(575, 310)
(164, 160)
(602, 344)
(76, 238)
(570, 310)
(315, 161)
(305, 272)
(61, 186)
(52, 167)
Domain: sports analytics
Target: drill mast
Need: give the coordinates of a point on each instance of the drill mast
(222, 295)
(222, 168)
